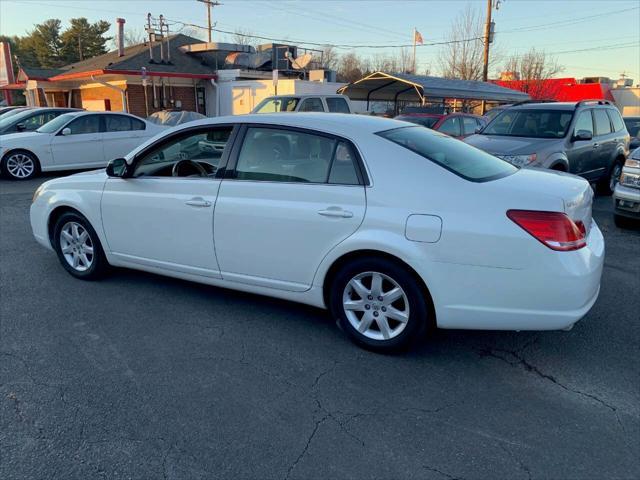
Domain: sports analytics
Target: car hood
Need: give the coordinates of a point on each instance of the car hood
(502, 145)
(22, 136)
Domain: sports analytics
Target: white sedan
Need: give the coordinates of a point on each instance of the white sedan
(394, 228)
(73, 141)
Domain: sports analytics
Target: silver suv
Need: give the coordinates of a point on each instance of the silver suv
(587, 138)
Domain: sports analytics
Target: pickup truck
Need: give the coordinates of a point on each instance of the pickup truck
(304, 103)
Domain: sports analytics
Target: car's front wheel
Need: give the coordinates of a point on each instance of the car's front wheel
(78, 247)
(379, 304)
(20, 165)
(608, 183)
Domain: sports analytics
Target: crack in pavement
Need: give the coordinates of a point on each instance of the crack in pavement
(306, 447)
(440, 472)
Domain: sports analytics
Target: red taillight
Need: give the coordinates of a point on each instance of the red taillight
(554, 229)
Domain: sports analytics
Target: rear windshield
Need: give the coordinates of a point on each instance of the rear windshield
(424, 121)
(534, 123)
(633, 126)
(456, 156)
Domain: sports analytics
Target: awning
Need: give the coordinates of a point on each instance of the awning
(383, 86)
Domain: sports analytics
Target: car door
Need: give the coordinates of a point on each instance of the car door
(161, 214)
(290, 197)
(82, 146)
(580, 155)
(122, 134)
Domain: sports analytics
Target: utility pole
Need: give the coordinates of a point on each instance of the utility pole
(488, 39)
(210, 4)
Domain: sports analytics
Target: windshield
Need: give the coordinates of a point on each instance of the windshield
(633, 126)
(457, 157)
(534, 123)
(55, 124)
(277, 104)
(428, 122)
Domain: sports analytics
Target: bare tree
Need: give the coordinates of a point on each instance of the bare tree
(533, 69)
(330, 58)
(242, 36)
(350, 68)
(463, 56)
(405, 61)
(133, 37)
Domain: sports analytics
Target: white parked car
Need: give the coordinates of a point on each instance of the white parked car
(73, 140)
(394, 228)
(305, 103)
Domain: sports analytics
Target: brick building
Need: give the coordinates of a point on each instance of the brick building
(140, 79)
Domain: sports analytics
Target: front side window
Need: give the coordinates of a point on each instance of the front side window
(451, 126)
(312, 105)
(36, 121)
(280, 155)
(464, 160)
(584, 122)
(85, 124)
(337, 105)
(534, 123)
(277, 104)
(190, 154)
(603, 125)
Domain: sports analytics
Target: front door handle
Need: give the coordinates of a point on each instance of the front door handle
(198, 202)
(596, 145)
(335, 212)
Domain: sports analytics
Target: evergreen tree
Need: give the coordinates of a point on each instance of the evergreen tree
(84, 40)
(44, 44)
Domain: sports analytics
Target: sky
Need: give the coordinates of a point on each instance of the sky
(587, 37)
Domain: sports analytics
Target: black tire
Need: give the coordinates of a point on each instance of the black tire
(20, 165)
(98, 261)
(607, 183)
(418, 310)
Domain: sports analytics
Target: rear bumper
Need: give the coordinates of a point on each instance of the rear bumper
(552, 293)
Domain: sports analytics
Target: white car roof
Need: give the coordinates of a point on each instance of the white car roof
(336, 123)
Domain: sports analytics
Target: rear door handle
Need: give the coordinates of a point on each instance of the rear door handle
(198, 202)
(335, 212)
(596, 145)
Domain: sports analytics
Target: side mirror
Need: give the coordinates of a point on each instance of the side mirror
(583, 135)
(21, 127)
(66, 131)
(478, 129)
(117, 167)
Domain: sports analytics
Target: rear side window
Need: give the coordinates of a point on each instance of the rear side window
(337, 105)
(603, 125)
(464, 160)
(616, 120)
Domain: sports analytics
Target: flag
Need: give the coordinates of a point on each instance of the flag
(417, 37)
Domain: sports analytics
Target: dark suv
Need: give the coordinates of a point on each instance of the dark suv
(587, 138)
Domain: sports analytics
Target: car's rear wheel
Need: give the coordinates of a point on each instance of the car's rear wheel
(20, 165)
(379, 304)
(78, 247)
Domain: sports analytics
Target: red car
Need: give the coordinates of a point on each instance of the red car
(457, 125)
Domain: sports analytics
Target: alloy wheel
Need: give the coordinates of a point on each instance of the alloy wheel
(20, 165)
(376, 305)
(76, 246)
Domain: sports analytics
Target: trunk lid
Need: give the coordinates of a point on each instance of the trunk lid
(575, 192)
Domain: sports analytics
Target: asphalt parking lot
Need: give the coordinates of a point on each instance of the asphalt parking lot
(141, 376)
